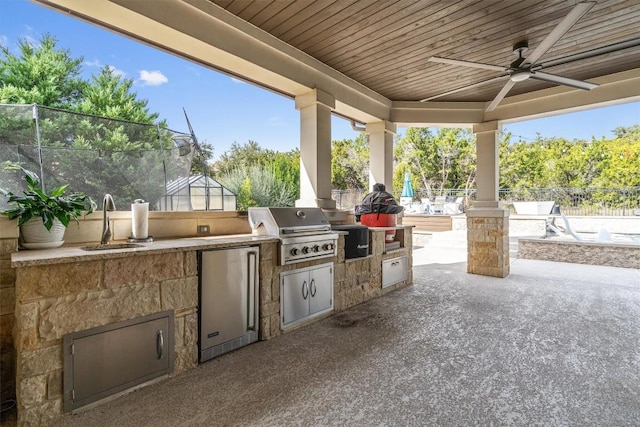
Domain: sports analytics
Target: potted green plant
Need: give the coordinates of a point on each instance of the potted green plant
(43, 218)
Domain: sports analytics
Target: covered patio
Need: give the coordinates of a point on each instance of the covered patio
(387, 64)
(552, 344)
(516, 343)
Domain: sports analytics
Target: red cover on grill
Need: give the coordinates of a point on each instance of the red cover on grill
(381, 220)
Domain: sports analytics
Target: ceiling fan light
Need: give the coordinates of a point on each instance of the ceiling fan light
(519, 77)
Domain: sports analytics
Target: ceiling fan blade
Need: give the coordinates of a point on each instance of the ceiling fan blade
(503, 92)
(578, 11)
(495, 79)
(615, 47)
(565, 81)
(467, 63)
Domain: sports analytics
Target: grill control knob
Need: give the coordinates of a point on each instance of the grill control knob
(294, 251)
(327, 246)
(316, 248)
(305, 250)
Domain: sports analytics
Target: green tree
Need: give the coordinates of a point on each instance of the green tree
(249, 153)
(523, 165)
(42, 74)
(286, 167)
(201, 159)
(50, 77)
(620, 165)
(413, 155)
(101, 154)
(629, 132)
(350, 163)
(109, 95)
(566, 163)
(257, 185)
(440, 161)
(246, 158)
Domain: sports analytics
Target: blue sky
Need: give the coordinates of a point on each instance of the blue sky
(223, 110)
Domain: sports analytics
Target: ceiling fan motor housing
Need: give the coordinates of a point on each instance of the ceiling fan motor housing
(519, 49)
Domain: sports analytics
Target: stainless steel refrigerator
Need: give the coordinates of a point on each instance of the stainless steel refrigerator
(228, 317)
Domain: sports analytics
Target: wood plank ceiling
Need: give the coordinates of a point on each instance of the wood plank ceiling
(385, 44)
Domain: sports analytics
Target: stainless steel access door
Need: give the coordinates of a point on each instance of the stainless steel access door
(108, 359)
(228, 299)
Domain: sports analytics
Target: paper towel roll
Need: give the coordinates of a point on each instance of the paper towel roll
(139, 219)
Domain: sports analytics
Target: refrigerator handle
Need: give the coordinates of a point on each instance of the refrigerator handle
(251, 283)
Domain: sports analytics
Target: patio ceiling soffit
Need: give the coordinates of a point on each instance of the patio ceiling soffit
(201, 31)
(209, 35)
(614, 89)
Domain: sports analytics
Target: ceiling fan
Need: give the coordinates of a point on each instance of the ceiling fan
(526, 67)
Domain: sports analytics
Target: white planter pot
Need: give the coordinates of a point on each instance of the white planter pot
(34, 234)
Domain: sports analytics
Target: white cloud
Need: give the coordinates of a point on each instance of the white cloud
(117, 72)
(233, 79)
(97, 64)
(32, 41)
(153, 78)
(4, 40)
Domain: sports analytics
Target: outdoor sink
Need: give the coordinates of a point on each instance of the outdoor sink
(111, 246)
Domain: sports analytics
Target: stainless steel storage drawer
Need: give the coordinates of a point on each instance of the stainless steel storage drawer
(394, 270)
(102, 361)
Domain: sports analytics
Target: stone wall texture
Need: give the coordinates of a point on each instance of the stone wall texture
(354, 280)
(360, 279)
(55, 300)
(97, 286)
(7, 319)
(269, 291)
(43, 303)
(488, 246)
(610, 254)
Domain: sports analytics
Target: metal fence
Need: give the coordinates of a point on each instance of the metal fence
(85, 152)
(591, 201)
(348, 199)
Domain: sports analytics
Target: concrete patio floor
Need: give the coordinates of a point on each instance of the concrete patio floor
(552, 344)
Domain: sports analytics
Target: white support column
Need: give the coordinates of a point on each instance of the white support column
(381, 153)
(315, 149)
(487, 220)
(488, 169)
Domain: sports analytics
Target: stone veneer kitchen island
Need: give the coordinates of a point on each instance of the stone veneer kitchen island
(66, 290)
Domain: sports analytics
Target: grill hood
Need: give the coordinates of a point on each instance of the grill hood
(283, 222)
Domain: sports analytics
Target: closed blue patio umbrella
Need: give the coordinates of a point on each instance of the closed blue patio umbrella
(407, 189)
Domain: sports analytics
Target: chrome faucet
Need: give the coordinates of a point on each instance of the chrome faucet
(107, 205)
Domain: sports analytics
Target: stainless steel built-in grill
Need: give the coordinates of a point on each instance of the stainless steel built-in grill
(305, 233)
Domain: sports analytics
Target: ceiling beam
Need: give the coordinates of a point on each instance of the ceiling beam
(202, 32)
(438, 114)
(613, 89)
(205, 33)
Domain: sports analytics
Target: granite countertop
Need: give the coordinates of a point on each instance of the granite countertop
(68, 254)
(397, 227)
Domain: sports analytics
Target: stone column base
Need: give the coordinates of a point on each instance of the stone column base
(488, 241)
